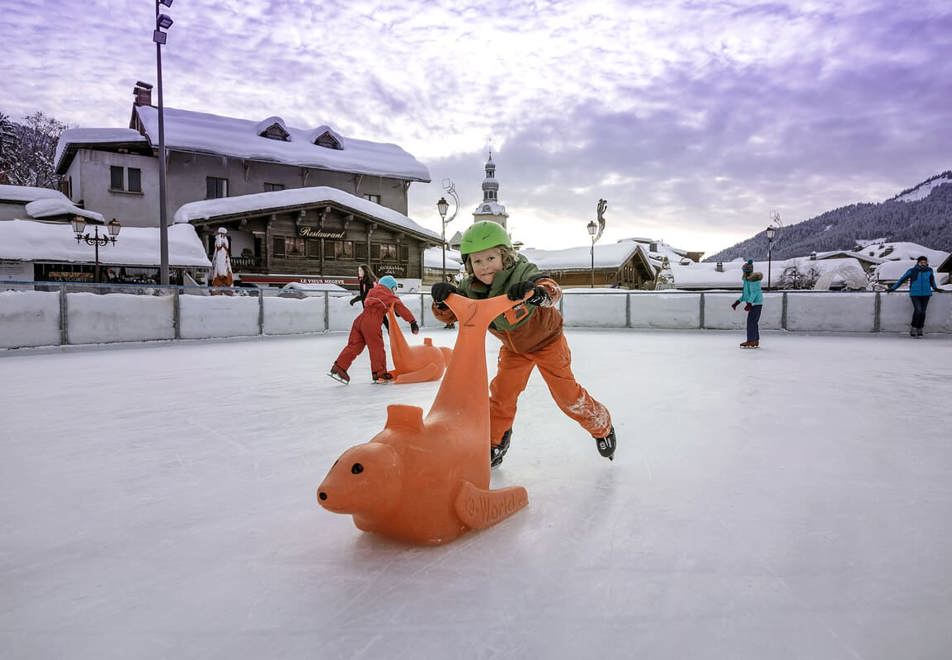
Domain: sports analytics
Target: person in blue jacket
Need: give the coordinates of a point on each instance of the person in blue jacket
(754, 297)
(921, 285)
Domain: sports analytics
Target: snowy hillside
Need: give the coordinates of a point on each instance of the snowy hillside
(918, 215)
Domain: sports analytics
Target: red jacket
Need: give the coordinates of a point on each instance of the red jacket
(379, 300)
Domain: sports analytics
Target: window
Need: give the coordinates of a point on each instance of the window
(387, 251)
(277, 245)
(294, 247)
(328, 141)
(373, 198)
(313, 248)
(215, 187)
(360, 251)
(343, 249)
(134, 179)
(273, 187)
(125, 179)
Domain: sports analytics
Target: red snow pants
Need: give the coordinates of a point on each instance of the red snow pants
(365, 332)
(555, 365)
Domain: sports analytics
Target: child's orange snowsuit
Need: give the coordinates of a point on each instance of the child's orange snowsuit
(531, 337)
(366, 329)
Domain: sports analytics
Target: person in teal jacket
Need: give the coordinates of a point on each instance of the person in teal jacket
(921, 285)
(754, 297)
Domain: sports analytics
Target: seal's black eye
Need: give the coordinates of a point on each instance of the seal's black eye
(357, 468)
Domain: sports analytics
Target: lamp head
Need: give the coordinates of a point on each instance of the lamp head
(592, 227)
(442, 206)
(770, 233)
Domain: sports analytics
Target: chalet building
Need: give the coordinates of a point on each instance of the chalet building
(115, 170)
(311, 235)
(619, 265)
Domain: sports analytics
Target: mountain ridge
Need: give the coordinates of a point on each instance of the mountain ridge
(921, 214)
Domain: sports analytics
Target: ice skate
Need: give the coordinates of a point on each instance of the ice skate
(606, 446)
(497, 452)
(338, 374)
(382, 378)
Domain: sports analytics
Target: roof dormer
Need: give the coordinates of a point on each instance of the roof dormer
(273, 128)
(325, 136)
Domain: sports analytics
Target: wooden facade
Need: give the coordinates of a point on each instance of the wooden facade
(635, 273)
(322, 242)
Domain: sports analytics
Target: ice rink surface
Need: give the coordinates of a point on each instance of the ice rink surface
(158, 501)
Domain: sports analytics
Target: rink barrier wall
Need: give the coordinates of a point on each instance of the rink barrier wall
(40, 314)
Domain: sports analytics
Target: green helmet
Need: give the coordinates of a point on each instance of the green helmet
(482, 236)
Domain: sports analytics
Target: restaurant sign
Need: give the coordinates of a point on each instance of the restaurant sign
(312, 232)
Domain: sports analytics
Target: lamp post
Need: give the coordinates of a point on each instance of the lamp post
(162, 22)
(443, 206)
(79, 224)
(771, 231)
(592, 231)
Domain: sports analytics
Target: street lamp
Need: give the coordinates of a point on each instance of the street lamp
(443, 206)
(79, 224)
(592, 231)
(771, 231)
(162, 22)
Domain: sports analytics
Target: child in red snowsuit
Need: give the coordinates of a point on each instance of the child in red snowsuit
(366, 332)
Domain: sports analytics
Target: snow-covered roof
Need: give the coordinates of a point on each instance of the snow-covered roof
(662, 249)
(50, 207)
(890, 271)
(495, 208)
(433, 258)
(705, 275)
(270, 201)
(200, 132)
(26, 194)
(89, 136)
(29, 240)
(861, 256)
(903, 250)
(606, 256)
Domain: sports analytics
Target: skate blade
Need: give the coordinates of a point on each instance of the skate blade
(338, 379)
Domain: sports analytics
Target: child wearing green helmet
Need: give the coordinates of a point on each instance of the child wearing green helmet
(531, 335)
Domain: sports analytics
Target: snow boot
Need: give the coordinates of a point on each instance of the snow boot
(383, 377)
(340, 375)
(606, 446)
(496, 452)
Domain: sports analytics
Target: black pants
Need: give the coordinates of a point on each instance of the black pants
(753, 321)
(919, 305)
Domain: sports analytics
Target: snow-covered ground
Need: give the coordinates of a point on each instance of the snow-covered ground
(157, 501)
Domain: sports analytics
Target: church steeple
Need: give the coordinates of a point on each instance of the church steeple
(490, 208)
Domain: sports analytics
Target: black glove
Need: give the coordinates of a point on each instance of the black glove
(735, 304)
(353, 300)
(519, 290)
(441, 290)
(414, 327)
(747, 307)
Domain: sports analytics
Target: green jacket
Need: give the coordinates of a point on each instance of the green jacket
(522, 270)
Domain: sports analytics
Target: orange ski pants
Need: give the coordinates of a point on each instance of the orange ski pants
(555, 365)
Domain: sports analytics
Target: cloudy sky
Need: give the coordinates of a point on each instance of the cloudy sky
(695, 119)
